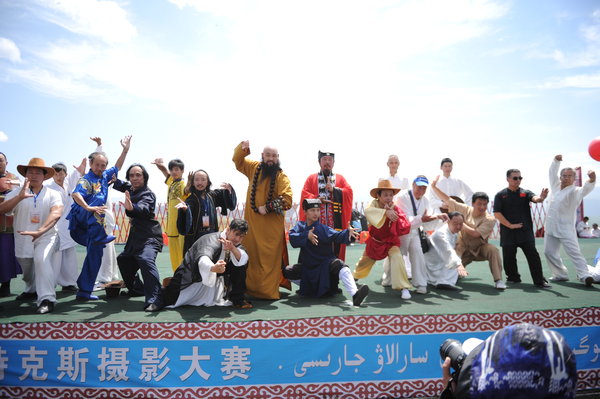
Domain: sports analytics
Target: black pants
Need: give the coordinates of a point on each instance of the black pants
(509, 255)
(294, 272)
(235, 282)
(144, 261)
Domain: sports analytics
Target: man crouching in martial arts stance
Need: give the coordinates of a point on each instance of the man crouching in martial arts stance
(213, 271)
(318, 270)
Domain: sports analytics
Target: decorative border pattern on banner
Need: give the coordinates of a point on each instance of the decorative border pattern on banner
(346, 326)
(588, 379)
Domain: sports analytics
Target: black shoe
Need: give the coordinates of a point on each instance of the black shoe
(131, 294)
(27, 296)
(589, 281)
(447, 287)
(360, 295)
(70, 288)
(45, 307)
(545, 284)
(5, 289)
(152, 308)
(513, 280)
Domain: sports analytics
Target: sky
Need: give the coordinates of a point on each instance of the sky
(491, 84)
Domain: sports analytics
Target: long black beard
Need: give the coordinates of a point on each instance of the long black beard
(269, 171)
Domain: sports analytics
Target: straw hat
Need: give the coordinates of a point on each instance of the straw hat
(384, 184)
(36, 163)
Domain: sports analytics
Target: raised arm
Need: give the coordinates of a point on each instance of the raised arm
(441, 195)
(161, 166)
(553, 171)
(10, 204)
(125, 143)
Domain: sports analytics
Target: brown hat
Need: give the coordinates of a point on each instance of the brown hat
(36, 163)
(384, 184)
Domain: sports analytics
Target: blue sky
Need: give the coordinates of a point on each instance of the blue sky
(492, 84)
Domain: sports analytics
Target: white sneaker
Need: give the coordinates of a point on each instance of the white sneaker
(421, 290)
(500, 285)
(98, 287)
(558, 278)
(405, 294)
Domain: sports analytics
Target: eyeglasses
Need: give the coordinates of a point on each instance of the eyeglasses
(517, 178)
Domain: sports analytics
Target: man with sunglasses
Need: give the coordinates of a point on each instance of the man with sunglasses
(511, 208)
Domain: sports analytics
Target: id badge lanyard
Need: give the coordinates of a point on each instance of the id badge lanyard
(35, 214)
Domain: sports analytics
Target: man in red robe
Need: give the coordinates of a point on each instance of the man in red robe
(336, 198)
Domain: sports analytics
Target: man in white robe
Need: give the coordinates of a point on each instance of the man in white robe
(444, 265)
(565, 197)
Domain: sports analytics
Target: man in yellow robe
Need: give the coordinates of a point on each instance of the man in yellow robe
(269, 196)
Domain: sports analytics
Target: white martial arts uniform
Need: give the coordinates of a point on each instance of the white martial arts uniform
(450, 186)
(442, 259)
(398, 182)
(109, 269)
(35, 257)
(560, 226)
(65, 258)
(583, 230)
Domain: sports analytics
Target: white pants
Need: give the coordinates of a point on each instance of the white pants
(595, 272)
(555, 263)
(410, 245)
(109, 269)
(65, 267)
(38, 272)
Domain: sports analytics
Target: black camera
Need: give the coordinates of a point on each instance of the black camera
(453, 349)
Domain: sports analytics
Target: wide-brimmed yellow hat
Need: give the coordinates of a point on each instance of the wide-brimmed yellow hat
(384, 184)
(36, 163)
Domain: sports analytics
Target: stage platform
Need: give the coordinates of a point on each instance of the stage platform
(291, 348)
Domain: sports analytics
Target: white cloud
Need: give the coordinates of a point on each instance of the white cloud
(105, 20)
(589, 55)
(340, 49)
(583, 81)
(9, 50)
(59, 85)
(3, 137)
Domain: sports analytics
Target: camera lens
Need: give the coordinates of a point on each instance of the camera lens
(453, 349)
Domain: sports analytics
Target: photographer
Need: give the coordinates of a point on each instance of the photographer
(520, 361)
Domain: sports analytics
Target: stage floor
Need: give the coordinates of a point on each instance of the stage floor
(477, 296)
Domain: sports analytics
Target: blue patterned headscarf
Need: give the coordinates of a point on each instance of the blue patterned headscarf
(520, 361)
